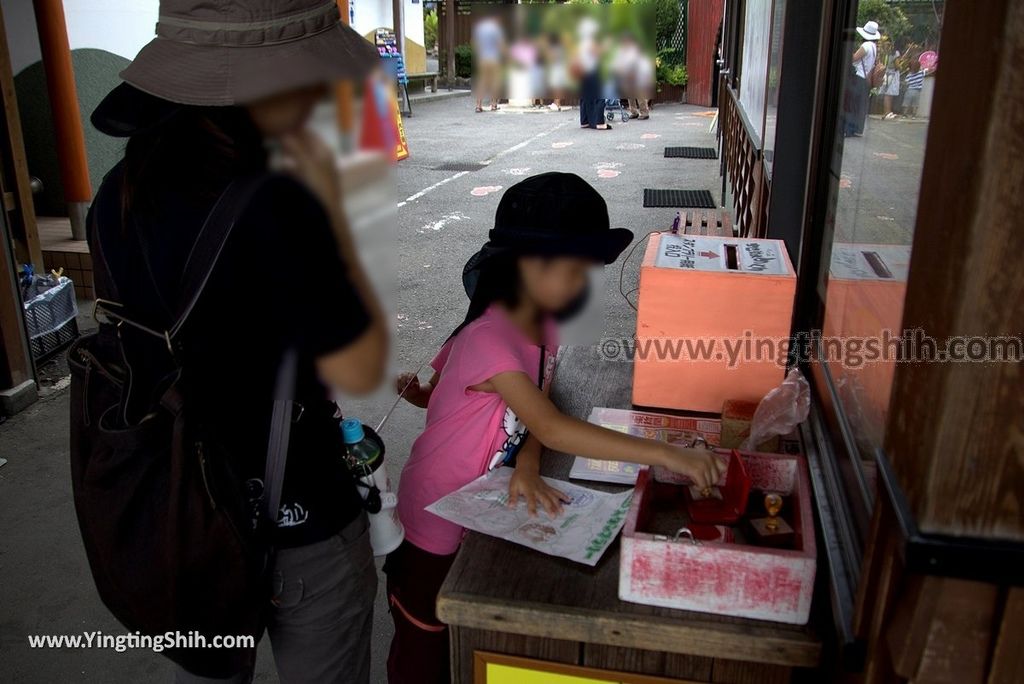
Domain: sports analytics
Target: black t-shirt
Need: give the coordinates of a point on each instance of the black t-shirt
(279, 284)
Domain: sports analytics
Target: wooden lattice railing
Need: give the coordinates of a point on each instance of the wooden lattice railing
(744, 165)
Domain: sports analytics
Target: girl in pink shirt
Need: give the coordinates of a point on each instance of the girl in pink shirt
(487, 401)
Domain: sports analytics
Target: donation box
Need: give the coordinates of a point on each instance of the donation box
(713, 317)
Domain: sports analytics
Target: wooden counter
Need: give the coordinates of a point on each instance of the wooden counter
(505, 598)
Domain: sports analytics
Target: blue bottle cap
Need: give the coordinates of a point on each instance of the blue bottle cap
(352, 430)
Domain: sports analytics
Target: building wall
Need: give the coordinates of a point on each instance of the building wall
(702, 21)
(104, 36)
(370, 15)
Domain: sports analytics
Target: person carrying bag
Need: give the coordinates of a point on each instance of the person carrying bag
(206, 457)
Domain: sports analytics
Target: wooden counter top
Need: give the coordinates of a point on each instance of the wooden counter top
(499, 586)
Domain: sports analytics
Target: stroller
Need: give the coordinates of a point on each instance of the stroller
(613, 105)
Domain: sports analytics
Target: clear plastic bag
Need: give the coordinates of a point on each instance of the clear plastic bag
(781, 410)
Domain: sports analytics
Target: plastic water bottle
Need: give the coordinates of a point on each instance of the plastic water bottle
(365, 460)
(363, 454)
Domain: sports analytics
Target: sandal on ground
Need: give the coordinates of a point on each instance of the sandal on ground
(479, 109)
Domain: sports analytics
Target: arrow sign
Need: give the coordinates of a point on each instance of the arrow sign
(708, 254)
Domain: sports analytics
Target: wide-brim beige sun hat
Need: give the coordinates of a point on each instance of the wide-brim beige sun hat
(869, 31)
(228, 52)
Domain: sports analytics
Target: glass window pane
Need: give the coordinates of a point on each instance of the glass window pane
(875, 176)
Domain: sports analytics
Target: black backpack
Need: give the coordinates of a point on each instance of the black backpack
(171, 538)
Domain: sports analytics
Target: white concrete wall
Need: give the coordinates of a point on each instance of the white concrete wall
(124, 26)
(118, 26)
(368, 15)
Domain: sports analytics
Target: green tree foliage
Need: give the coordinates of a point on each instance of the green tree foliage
(430, 30)
(670, 67)
(892, 21)
(463, 61)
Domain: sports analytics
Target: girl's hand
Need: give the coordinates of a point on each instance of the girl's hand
(408, 386)
(314, 163)
(528, 483)
(700, 465)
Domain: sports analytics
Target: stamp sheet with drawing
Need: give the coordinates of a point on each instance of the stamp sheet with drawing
(582, 532)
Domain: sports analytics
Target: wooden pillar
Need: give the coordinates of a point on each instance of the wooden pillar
(17, 386)
(15, 184)
(67, 122)
(398, 21)
(449, 39)
(955, 438)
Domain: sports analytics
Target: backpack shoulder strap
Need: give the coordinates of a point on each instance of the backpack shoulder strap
(209, 244)
(199, 266)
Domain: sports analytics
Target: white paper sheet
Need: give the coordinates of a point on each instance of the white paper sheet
(582, 532)
(672, 429)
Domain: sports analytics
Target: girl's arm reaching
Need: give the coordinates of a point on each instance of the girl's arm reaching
(564, 433)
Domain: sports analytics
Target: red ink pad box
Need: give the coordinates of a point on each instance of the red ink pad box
(727, 575)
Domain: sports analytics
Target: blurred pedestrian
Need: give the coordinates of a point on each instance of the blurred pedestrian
(488, 42)
(915, 84)
(588, 66)
(890, 88)
(557, 69)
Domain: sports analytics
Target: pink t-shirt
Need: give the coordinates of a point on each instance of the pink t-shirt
(466, 430)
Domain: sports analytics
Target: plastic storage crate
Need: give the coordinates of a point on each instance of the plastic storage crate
(50, 319)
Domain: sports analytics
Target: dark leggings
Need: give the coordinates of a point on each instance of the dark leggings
(419, 650)
(858, 97)
(591, 102)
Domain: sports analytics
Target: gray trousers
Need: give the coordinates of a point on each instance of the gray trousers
(321, 624)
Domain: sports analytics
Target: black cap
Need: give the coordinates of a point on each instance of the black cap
(555, 214)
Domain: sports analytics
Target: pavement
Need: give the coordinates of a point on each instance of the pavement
(442, 218)
(880, 182)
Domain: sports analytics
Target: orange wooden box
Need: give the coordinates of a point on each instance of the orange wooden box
(706, 306)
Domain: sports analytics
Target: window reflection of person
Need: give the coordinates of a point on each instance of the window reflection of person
(858, 89)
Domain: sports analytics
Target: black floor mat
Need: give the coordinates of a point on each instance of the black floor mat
(692, 152)
(697, 199)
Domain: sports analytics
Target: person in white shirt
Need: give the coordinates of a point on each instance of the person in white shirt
(858, 89)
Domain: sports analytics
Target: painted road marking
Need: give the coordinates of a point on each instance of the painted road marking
(482, 190)
(460, 174)
(443, 221)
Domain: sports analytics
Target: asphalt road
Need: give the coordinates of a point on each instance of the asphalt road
(443, 217)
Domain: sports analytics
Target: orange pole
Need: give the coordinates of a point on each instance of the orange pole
(344, 92)
(67, 122)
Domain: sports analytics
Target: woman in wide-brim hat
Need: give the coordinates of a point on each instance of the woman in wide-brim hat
(858, 90)
(220, 85)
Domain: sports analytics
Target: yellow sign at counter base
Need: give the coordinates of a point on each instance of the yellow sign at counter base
(496, 668)
(505, 674)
